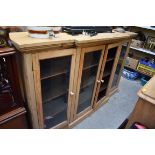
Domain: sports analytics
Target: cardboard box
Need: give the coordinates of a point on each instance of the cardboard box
(131, 63)
(137, 43)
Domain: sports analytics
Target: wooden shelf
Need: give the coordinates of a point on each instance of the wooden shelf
(83, 106)
(143, 50)
(53, 93)
(110, 59)
(108, 63)
(90, 81)
(53, 97)
(85, 94)
(51, 76)
(106, 73)
(103, 87)
(91, 66)
(107, 70)
(54, 67)
(88, 77)
(54, 107)
(53, 88)
(91, 58)
(84, 99)
(53, 121)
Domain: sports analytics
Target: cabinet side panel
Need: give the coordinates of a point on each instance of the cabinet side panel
(29, 88)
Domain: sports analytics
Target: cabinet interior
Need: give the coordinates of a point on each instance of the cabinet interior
(55, 76)
(119, 65)
(55, 79)
(89, 71)
(107, 72)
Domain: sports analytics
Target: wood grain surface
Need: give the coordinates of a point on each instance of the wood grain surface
(24, 43)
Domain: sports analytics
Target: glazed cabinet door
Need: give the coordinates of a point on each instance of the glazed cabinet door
(120, 66)
(89, 68)
(111, 56)
(53, 73)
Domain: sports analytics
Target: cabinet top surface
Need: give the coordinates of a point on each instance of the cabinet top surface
(148, 91)
(21, 40)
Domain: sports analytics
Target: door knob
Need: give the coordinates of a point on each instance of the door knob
(98, 81)
(102, 81)
(71, 93)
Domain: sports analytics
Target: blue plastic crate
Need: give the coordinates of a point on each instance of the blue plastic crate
(146, 67)
(130, 75)
(146, 63)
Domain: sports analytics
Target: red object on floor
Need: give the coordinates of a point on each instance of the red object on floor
(137, 125)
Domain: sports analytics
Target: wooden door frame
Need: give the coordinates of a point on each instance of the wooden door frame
(115, 88)
(48, 54)
(109, 46)
(82, 52)
(127, 51)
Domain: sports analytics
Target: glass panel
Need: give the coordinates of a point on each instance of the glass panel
(107, 71)
(90, 67)
(103, 87)
(118, 68)
(55, 67)
(55, 75)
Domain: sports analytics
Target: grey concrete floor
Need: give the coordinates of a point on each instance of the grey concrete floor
(116, 110)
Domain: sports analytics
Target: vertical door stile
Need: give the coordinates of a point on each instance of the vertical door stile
(80, 66)
(75, 85)
(71, 93)
(36, 73)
